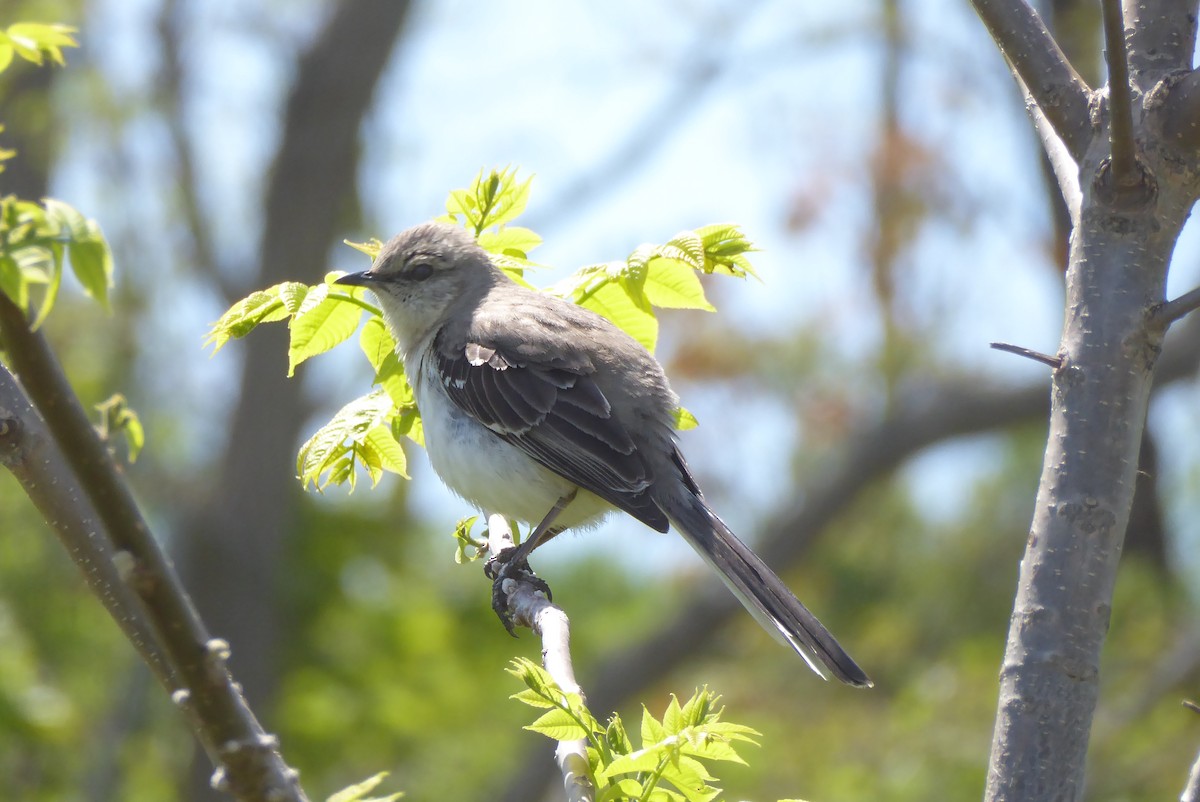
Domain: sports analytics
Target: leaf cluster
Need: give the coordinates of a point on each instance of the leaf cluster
(34, 42)
(367, 432)
(667, 765)
(36, 241)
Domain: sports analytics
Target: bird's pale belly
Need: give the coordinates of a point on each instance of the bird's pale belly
(495, 476)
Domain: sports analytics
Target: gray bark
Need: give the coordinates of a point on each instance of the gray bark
(1129, 217)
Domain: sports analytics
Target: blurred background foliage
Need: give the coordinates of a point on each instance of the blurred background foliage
(878, 152)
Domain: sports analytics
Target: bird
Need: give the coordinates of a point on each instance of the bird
(545, 412)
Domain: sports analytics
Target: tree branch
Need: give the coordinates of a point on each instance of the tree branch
(1125, 170)
(29, 451)
(1035, 58)
(529, 607)
(1171, 311)
(249, 765)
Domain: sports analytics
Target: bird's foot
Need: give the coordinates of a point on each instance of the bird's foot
(503, 567)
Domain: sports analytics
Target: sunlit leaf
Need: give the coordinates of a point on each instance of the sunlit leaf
(357, 431)
(559, 725)
(673, 284)
(684, 420)
(321, 323)
(358, 792)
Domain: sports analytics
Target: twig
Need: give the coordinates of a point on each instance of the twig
(1125, 171)
(529, 607)
(1037, 356)
(1037, 60)
(249, 765)
(1166, 314)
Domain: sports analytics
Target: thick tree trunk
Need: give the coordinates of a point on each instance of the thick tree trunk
(1129, 189)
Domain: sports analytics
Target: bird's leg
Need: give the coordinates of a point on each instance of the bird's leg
(514, 563)
(545, 530)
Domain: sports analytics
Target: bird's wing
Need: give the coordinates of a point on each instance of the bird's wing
(553, 410)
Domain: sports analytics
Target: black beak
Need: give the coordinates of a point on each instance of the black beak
(365, 279)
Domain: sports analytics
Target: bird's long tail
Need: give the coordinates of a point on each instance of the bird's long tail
(759, 590)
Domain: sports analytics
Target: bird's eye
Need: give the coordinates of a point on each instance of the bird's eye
(420, 272)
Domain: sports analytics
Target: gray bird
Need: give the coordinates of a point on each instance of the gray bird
(543, 411)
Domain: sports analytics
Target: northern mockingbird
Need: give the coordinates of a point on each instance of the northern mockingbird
(543, 411)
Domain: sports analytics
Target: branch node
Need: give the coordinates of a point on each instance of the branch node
(1055, 362)
(1167, 313)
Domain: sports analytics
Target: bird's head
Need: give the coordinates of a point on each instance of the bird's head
(420, 274)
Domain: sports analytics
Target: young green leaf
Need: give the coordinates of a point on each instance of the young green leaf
(559, 725)
(358, 792)
(359, 433)
(322, 322)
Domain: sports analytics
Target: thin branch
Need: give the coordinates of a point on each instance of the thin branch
(1037, 356)
(529, 607)
(1125, 171)
(1036, 59)
(249, 765)
(1168, 313)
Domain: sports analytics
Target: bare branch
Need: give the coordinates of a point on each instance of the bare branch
(1168, 313)
(1037, 61)
(529, 607)
(1125, 171)
(248, 762)
(1037, 356)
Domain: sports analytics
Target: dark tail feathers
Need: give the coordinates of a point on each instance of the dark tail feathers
(757, 587)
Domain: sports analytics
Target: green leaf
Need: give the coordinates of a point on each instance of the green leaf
(261, 306)
(616, 737)
(320, 323)
(54, 262)
(559, 725)
(725, 249)
(467, 548)
(673, 722)
(685, 420)
(631, 314)
(512, 241)
(371, 247)
(652, 730)
(12, 282)
(118, 418)
(673, 284)
(358, 792)
(647, 760)
(33, 39)
(6, 53)
(90, 258)
(359, 433)
(492, 201)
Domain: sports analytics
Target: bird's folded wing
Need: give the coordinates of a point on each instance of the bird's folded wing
(555, 413)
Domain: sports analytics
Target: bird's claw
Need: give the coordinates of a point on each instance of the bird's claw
(502, 567)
